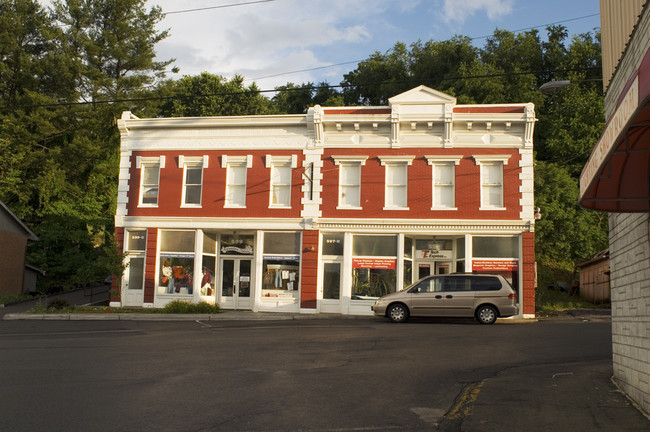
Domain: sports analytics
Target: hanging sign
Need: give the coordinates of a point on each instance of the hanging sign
(495, 265)
(374, 263)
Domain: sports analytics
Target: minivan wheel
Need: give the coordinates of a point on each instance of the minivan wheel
(486, 314)
(398, 313)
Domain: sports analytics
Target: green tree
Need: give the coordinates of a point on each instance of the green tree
(567, 233)
(296, 99)
(59, 156)
(211, 95)
(378, 78)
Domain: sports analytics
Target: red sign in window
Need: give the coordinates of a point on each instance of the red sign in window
(495, 265)
(374, 263)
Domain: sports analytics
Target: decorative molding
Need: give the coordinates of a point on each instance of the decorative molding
(386, 159)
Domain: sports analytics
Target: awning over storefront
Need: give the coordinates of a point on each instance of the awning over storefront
(616, 177)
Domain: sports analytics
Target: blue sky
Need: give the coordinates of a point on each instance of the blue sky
(277, 41)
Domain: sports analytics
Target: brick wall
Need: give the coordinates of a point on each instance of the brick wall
(630, 282)
(150, 265)
(309, 270)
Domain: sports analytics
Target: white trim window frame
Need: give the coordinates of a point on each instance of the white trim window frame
(396, 184)
(192, 179)
(236, 174)
(443, 174)
(349, 181)
(280, 181)
(491, 180)
(149, 192)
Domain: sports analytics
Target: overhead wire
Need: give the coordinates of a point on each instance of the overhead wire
(315, 87)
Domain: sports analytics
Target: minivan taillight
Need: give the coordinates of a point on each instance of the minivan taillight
(512, 296)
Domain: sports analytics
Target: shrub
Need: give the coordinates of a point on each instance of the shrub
(181, 306)
(59, 304)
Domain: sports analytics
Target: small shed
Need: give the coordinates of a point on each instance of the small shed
(594, 278)
(14, 236)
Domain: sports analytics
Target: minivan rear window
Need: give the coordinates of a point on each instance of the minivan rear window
(485, 283)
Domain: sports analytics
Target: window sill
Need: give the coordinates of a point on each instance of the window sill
(396, 208)
(444, 208)
(492, 208)
(234, 207)
(147, 205)
(348, 208)
(276, 206)
(191, 206)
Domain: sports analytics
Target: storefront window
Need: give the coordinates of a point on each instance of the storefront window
(374, 245)
(208, 266)
(281, 265)
(282, 243)
(333, 244)
(460, 248)
(176, 262)
(495, 247)
(408, 247)
(408, 272)
(373, 266)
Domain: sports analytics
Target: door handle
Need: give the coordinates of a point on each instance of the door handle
(449, 296)
(438, 296)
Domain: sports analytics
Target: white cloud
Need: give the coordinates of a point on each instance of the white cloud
(265, 38)
(457, 11)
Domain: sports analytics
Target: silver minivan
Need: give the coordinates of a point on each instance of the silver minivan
(485, 297)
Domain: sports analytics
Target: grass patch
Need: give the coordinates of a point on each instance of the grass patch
(11, 298)
(553, 302)
(62, 306)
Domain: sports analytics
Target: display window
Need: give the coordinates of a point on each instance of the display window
(208, 265)
(281, 265)
(176, 265)
(373, 266)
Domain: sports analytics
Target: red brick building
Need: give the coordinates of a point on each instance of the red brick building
(326, 211)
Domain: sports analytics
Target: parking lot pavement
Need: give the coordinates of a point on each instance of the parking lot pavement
(560, 397)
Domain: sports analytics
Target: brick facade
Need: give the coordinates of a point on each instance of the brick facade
(257, 254)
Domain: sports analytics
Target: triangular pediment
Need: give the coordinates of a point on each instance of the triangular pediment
(422, 95)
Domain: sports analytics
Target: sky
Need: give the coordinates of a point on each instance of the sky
(273, 42)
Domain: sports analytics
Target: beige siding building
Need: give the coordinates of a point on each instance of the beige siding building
(616, 179)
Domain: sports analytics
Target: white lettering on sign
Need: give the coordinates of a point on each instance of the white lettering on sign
(610, 135)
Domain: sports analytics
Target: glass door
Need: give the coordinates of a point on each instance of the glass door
(134, 281)
(236, 282)
(331, 288)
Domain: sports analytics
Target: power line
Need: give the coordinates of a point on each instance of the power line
(217, 7)
(472, 38)
(252, 92)
(541, 26)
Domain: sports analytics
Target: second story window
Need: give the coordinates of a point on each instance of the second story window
(444, 179)
(350, 180)
(492, 181)
(149, 179)
(236, 167)
(396, 195)
(280, 188)
(192, 179)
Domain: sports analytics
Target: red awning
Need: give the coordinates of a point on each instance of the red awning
(617, 176)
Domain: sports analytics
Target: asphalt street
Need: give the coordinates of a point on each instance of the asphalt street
(252, 373)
